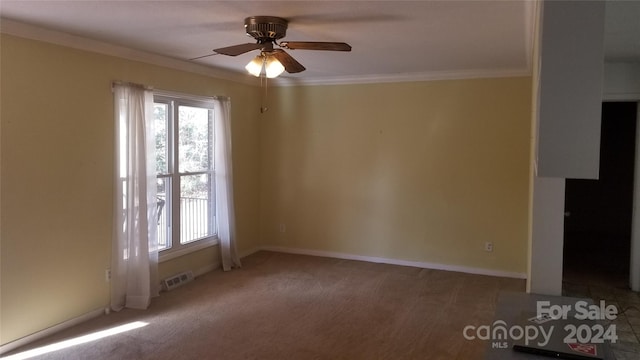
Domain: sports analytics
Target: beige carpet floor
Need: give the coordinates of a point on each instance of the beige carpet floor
(283, 306)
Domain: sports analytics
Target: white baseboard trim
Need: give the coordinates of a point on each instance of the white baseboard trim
(418, 264)
(50, 331)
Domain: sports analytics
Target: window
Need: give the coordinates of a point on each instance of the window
(185, 171)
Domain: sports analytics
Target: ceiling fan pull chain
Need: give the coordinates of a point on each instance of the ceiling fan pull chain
(265, 94)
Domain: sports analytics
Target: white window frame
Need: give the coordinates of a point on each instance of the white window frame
(177, 249)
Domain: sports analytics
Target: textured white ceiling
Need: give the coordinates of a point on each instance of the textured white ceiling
(389, 38)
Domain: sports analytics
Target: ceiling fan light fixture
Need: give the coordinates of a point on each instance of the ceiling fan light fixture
(254, 67)
(273, 67)
(266, 30)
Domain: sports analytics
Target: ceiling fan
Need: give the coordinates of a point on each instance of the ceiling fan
(267, 30)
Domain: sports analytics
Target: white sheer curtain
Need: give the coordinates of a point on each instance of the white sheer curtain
(225, 210)
(134, 260)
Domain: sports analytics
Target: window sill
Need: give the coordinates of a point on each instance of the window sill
(187, 249)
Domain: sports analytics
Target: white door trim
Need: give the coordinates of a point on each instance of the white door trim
(634, 267)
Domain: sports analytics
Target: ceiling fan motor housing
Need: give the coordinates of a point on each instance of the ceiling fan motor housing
(265, 28)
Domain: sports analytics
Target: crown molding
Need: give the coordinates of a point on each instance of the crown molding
(20, 29)
(403, 77)
(28, 31)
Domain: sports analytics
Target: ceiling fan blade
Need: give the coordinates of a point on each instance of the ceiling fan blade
(203, 56)
(236, 50)
(315, 45)
(290, 64)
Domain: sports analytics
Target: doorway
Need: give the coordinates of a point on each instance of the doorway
(598, 213)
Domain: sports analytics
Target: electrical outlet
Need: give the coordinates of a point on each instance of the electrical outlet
(283, 228)
(107, 275)
(488, 246)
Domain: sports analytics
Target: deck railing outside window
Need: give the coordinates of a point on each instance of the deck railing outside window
(195, 221)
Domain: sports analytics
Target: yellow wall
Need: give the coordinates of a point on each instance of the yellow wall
(57, 173)
(424, 171)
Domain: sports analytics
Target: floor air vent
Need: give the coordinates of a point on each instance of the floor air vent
(174, 281)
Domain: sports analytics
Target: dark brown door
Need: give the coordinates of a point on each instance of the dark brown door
(597, 230)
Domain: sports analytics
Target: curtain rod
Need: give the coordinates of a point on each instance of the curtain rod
(145, 87)
(190, 96)
(171, 93)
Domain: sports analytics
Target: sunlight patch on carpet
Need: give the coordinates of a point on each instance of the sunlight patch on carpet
(76, 341)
